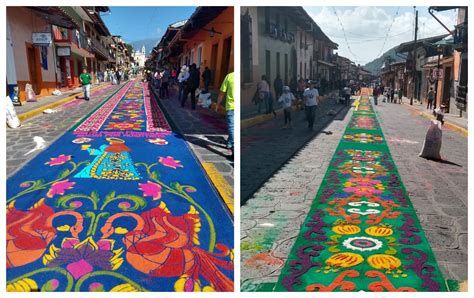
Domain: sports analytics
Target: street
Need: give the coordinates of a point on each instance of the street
(117, 201)
(272, 219)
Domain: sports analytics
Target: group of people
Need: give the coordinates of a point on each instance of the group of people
(113, 76)
(309, 95)
(388, 94)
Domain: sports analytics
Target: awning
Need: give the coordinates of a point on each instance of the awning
(326, 63)
(54, 15)
(75, 49)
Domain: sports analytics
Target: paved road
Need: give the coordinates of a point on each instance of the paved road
(265, 147)
(271, 219)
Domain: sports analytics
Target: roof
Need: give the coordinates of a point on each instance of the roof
(200, 18)
(55, 15)
(304, 19)
(94, 14)
(425, 42)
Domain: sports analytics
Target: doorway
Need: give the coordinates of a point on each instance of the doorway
(213, 65)
(226, 51)
(447, 88)
(33, 68)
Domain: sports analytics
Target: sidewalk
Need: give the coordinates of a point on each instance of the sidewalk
(266, 147)
(250, 116)
(206, 134)
(32, 108)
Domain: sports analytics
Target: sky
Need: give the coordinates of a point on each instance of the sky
(366, 28)
(137, 23)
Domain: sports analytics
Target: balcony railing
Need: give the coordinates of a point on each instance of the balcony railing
(99, 47)
(280, 33)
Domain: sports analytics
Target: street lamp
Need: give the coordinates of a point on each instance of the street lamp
(439, 49)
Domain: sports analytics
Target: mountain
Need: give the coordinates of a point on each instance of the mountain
(375, 65)
(149, 44)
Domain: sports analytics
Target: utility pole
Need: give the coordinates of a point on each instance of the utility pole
(414, 58)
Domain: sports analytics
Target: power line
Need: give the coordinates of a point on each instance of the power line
(345, 37)
(372, 39)
(388, 31)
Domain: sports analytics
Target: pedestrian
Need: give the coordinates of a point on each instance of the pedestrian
(347, 95)
(262, 93)
(182, 80)
(375, 94)
(400, 95)
(392, 95)
(286, 99)
(106, 74)
(430, 97)
(164, 83)
(432, 144)
(227, 89)
(157, 81)
(118, 75)
(192, 85)
(311, 95)
(299, 94)
(174, 74)
(86, 79)
(206, 77)
(278, 85)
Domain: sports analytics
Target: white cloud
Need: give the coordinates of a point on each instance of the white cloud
(366, 28)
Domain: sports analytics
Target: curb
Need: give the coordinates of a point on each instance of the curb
(450, 125)
(222, 187)
(39, 110)
(249, 122)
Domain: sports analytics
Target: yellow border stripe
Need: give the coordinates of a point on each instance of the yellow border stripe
(222, 186)
(39, 110)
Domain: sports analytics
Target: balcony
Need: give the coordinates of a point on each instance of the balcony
(99, 49)
(280, 33)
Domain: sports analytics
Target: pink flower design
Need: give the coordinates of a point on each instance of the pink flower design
(59, 187)
(151, 189)
(363, 190)
(61, 159)
(170, 162)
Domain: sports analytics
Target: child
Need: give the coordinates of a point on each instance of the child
(287, 99)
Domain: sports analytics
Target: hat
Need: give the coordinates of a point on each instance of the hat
(286, 88)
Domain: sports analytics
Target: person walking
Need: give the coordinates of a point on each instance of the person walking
(430, 96)
(263, 92)
(86, 79)
(347, 95)
(157, 81)
(192, 85)
(392, 95)
(311, 98)
(227, 90)
(206, 77)
(278, 85)
(287, 99)
(182, 80)
(118, 75)
(400, 95)
(432, 144)
(165, 75)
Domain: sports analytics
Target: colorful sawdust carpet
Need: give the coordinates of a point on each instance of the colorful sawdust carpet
(119, 203)
(361, 233)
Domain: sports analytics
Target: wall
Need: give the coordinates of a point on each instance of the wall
(224, 24)
(22, 28)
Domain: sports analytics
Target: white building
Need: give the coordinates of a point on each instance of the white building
(140, 57)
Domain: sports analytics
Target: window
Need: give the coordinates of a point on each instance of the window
(245, 48)
(267, 19)
(268, 68)
(278, 63)
(199, 56)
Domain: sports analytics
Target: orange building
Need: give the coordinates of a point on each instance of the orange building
(206, 39)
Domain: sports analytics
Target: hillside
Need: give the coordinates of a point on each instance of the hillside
(375, 65)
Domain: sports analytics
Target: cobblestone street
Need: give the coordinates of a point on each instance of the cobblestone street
(266, 146)
(271, 219)
(49, 127)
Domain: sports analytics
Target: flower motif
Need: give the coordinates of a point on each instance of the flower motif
(158, 141)
(151, 189)
(170, 162)
(61, 159)
(362, 243)
(123, 125)
(80, 258)
(25, 184)
(188, 284)
(59, 187)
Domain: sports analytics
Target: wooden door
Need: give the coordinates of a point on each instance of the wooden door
(33, 69)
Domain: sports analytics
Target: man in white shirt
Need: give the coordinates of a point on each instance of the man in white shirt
(311, 101)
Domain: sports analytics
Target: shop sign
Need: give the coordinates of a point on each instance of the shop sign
(63, 51)
(41, 38)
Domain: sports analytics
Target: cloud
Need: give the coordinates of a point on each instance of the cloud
(366, 28)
